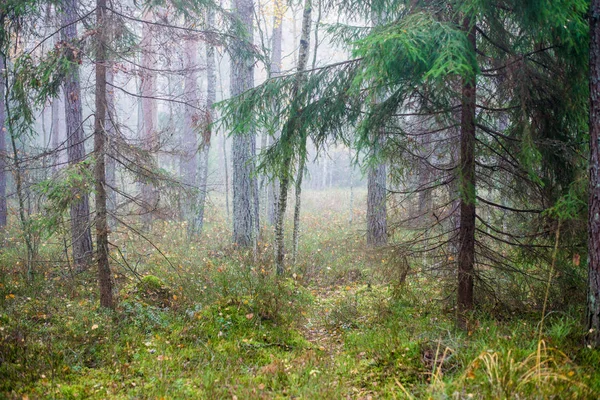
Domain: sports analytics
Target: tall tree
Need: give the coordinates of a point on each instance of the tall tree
(111, 135)
(189, 151)
(102, 251)
(275, 71)
(3, 164)
(466, 254)
(593, 306)
(293, 139)
(211, 96)
(242, 79)
(377, 234)
(304, 47)
(81, 236)
(149, 117)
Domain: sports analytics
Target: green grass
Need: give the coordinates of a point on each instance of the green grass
(211, 321)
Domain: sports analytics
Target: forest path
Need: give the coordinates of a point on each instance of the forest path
(317, 329)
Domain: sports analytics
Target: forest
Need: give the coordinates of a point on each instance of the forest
(306, 199)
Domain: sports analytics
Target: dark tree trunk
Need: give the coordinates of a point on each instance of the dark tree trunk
(80, 209)
(3, 163)
(242, 79)
(593, 317)
(466, 255)
(104, 275)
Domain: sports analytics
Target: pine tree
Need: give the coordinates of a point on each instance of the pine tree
(3, 166)
(100, 122)
(242, 79)
(80, 209)
(593, 306)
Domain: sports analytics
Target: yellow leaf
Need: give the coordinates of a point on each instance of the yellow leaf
(95, 326)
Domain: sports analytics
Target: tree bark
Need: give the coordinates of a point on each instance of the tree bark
(242, 79)
(289, 136)
(104, 275)
(57, 131)
(81, 236)
(274, 71)
(111, 163)
(297, 208)
(466, 254)
(3, 164)
(593, 306)
(376, 206)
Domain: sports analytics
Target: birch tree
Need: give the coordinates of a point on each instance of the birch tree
(293, 139)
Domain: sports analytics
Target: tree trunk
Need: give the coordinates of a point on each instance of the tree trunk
(226, 172)
(104, 275)
(255, 196)
(18, 176)
(284, 182)
(211, 97)
(189, 152)
(593, 306)
(425, 201)
(242, 79)
(80, 209)
(274, 71)
(111, 163)
(466, 255)
(3, 164)
(149, 116)
(290, 135)
(297, 207)
(57, 131)
(376, 206)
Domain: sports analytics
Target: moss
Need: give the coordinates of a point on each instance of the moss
(153, 290)
(151, 282)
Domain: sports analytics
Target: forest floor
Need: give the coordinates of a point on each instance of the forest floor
(201, 319)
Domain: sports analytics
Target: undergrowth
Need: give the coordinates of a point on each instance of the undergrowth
(203, 319)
